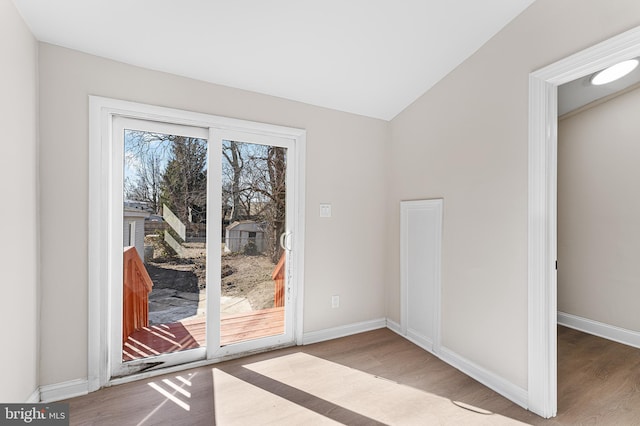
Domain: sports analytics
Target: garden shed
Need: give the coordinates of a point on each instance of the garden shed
(133, 228)
(239, 234)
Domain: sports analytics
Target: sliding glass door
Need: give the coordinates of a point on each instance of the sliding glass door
(200, 242)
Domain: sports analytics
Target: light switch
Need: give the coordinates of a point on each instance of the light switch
(335, 301)
(325, 210)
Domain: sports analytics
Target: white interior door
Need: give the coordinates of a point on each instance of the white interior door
(420, 255)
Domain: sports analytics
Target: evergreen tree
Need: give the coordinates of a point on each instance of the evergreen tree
(184, 184)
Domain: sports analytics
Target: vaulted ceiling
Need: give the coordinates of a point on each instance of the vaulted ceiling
(368, 57)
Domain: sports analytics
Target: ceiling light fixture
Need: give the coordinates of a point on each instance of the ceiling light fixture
(614, 72)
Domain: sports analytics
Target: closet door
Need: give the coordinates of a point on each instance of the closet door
(420, 257)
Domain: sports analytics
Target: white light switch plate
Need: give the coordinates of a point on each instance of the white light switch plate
(335, 301)
(325, 210)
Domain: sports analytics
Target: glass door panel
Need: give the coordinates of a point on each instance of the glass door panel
(164, 248)
(254, 238)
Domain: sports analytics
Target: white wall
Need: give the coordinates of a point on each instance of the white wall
(466, 141)
(346, 166)
(18, 214)
(599, 213)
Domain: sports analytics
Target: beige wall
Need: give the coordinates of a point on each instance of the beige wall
(346, 166)
(18, 215)
(466, 141)
(599, 213)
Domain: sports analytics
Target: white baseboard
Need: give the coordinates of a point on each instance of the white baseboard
(65, 390)
(427, 345)
(611, 332)
(492, 381)
(342, 331)
(394, 326)
(34, 398)
(421, 341)
(79, 387)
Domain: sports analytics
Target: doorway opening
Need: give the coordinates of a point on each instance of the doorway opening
(542, 221)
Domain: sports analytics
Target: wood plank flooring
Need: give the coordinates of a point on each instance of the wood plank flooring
(241, 327)
(369, 378)
(191, 334)
(598, 380)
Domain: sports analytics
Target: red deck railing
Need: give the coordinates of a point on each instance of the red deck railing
(136, 287)
(278, 277)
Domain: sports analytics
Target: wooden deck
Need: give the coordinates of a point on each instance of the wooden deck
(190, 334)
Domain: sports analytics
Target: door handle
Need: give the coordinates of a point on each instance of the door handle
(282, 236)
(285, 241)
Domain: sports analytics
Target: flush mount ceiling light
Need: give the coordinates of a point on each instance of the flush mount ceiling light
(614, 72)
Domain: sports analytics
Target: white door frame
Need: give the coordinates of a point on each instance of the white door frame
(542, 211)
(101, 113)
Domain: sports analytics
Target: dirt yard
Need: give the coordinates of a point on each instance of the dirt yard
(243, 276)
(248, 277)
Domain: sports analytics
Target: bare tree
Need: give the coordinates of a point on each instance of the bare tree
(145, 185)
(276, 209)
(254, 187)
(232, 169)
(145, 154)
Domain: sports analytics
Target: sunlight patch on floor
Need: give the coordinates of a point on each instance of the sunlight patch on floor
(239, 402)
(173, 392)
(367, 395)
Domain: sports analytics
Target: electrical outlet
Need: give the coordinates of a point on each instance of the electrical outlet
(335, 301)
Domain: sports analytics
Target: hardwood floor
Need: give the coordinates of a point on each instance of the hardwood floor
(598, 380)
(367, 379)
